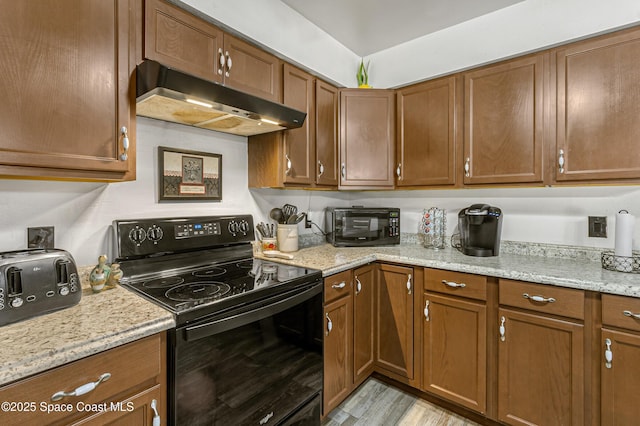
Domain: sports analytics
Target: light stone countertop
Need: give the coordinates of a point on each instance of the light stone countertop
(99, 322)
(576, 273)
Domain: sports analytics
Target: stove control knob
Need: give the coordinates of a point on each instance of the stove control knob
(137, 235)
(234, 227)
(244, 227)
(155, 234)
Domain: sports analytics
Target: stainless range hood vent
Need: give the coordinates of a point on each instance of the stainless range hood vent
(170, 95)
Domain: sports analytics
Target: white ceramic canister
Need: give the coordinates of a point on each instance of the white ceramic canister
(287, 237)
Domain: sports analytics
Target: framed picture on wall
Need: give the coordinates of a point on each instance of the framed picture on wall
(189, 175)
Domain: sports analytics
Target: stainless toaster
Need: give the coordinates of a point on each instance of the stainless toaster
(36, 281)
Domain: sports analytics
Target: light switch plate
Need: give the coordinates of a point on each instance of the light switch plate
(598, 226)
(40, 237)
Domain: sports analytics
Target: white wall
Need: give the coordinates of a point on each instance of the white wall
(82, 212)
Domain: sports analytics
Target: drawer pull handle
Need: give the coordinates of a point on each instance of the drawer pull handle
(329, 323)
(502, 329)
(453, 284)
(631, 314)
(81, 390)
(156, 416)
(339, 286)
(409, 284)
(426, 310)
(608, 354)
(358, 286)
(539, 299)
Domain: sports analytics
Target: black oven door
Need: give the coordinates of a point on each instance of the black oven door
(260, 364)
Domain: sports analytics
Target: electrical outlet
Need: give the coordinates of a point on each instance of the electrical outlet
(307, 221)
(598, 226)
(40, 237)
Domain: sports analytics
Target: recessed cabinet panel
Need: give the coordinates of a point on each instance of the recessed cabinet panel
(338, 346)
(426, 145)
(598, 108)
(364, 320)
(504, 122)
(299, 143)
(327, 100)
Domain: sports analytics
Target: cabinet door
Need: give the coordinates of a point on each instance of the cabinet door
(327, 99)
(252, 70)
(598, 107)
(338, 347)
(367, 123)
(363, 323)
(504, 122)
(66, 90)
(134, 411)
(620, 378)
(178, 39)
(540, 370)
(427, 134)
(394, 316)
(455, 350)
(299, 143)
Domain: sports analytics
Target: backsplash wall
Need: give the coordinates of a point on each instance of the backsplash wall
(82, 212)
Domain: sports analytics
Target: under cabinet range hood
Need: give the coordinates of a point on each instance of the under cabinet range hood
(166, 94)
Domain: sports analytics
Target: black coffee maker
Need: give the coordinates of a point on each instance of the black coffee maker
(480, 227)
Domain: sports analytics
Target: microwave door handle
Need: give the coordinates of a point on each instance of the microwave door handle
(199, 331)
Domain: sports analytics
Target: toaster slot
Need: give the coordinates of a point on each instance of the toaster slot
(62, 272)
(14, 281)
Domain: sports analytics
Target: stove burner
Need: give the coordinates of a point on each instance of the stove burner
(245, 264)
(198, 291)
(163, 282)
(214, 271)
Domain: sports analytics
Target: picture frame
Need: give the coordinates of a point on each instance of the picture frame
(189, 175)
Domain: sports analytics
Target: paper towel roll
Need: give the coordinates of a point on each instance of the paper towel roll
(624, 233)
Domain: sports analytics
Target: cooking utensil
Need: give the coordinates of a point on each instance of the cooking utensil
(277, 215)
(296, 218)
(289, 210)
(276, 253)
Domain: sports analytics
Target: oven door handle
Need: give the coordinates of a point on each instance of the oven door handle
(210, 328)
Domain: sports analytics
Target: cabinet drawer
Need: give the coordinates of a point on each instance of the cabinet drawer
(614, 308)
(133, 367)
(456, 283)
(561, 301)
(336, 286)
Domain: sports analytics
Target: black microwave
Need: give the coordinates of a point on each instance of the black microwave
(362, 226)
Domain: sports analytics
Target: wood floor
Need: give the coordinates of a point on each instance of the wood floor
(376, 404)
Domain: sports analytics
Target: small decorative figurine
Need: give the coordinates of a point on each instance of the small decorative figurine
(100, 274)
(114, 276)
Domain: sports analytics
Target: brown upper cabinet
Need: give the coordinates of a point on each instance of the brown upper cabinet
(304, 157)
(504, 122)
(181, 40)
(427, 141)
(598, 107)
(367, 138)
(67, 109)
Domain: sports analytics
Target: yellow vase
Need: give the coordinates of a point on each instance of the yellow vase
(364, 86)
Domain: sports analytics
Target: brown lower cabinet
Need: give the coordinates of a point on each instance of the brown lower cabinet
(138, 376)
(496, 350)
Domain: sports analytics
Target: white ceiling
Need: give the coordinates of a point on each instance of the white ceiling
(369, 26)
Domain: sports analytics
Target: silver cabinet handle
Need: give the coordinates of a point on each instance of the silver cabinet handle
(561, 161)
(338, 286)
(409, 284)
(426, 310)
(399, 171)
(608, 353)
(320, 168)
(81, 390)
(358, 286)
(453, 284)
(329, 323)
(631, 314)
(229, 65)
(343, 171)
(502, 329)
(467, 167)
(222, 61)
(539, 299)
(289, 165)
(125, 144)
(156, 416)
